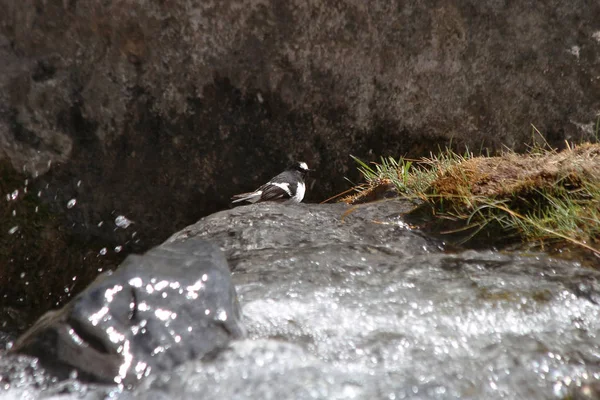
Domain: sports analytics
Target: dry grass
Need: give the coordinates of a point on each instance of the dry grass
(542, 197)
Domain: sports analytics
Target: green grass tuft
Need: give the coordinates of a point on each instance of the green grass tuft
(542, 197)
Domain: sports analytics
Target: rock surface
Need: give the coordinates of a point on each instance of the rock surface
(161, 110)
(87, 76)
(182, 103)
(345, 302)
(348, 302)
(156, 311)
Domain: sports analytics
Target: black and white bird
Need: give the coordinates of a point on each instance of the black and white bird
(287, 187)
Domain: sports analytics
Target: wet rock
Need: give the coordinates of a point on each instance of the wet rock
(177, 105)
(270, 231)
(587, 391)
(346, 302)
(173, 304)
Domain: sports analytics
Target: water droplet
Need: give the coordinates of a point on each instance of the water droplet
(66, 290)
(22, 275)
(71, 203)
(13, 229)
(118, 249)
(222, 315)
(100, 224)
(122, 222)
(40, 193)
(36, 208)
(14, 213)
(49, 163)
(24, 190)
(103, 251)
(79, 183)
(133, 234)
(14, 194)
(7, 197)
(26, 182)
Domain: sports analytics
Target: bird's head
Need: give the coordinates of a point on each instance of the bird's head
(301, 167)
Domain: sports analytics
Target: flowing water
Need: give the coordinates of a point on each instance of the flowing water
(383, 314)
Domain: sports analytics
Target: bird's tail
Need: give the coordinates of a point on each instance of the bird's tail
(243, 197)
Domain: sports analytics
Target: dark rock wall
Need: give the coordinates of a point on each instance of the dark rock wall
(164, 108)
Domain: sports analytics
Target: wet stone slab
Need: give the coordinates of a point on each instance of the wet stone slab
(344, 302)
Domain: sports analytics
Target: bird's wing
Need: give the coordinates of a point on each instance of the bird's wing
(274, 191)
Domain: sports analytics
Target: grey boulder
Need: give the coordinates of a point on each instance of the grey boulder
(156, 311)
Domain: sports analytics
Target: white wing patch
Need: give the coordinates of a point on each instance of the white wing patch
(303, 165)
(284, 186)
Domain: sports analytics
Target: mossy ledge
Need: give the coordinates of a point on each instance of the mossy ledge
(541, 198)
